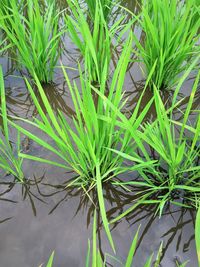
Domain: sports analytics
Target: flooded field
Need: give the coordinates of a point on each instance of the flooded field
(44, 215)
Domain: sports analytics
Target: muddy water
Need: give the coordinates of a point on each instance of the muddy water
(43, 216)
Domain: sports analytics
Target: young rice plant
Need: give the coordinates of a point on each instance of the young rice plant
(88, 149)
(10, 162)
(94, 40)
(174, 178)
(35, 35)
(170, 39)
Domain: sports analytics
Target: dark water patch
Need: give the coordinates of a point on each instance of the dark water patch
(44, 215)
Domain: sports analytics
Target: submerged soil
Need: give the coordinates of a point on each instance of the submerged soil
(43, 215)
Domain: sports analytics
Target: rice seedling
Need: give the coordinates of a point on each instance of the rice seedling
(36, 36)
(93, 41)
(178, 155)
(86, 150)
(94, 47)
(9, 161)
(170, 39)
(174, 178)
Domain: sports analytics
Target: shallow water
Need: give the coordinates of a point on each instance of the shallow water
(43, 216)
(46, 217)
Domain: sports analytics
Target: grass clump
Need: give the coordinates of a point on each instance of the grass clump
(93, 132)
(170, 39)
(93, 38)
(177, 174)
(86, 146)
(175, 151)
(35, 35)
(9, 161)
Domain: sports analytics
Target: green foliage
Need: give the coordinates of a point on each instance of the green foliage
(9, 161)
(50, 261)
(93, 41)
(107, 6)
(85, 150)
(97, 140)
(87, 145)
(174, 176)
(95, 260)
(197, 234)
(4, 46)
(6, 5)
(170, 39)
(34, 34)
(93, 132)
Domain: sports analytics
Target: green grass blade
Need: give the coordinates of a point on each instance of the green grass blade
(197, 235)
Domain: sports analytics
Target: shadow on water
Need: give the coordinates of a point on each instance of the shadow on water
(20, 103)
(137, 87)
(51, 203)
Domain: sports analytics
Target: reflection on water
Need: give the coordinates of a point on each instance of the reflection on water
(44, 215)
(136, 88)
